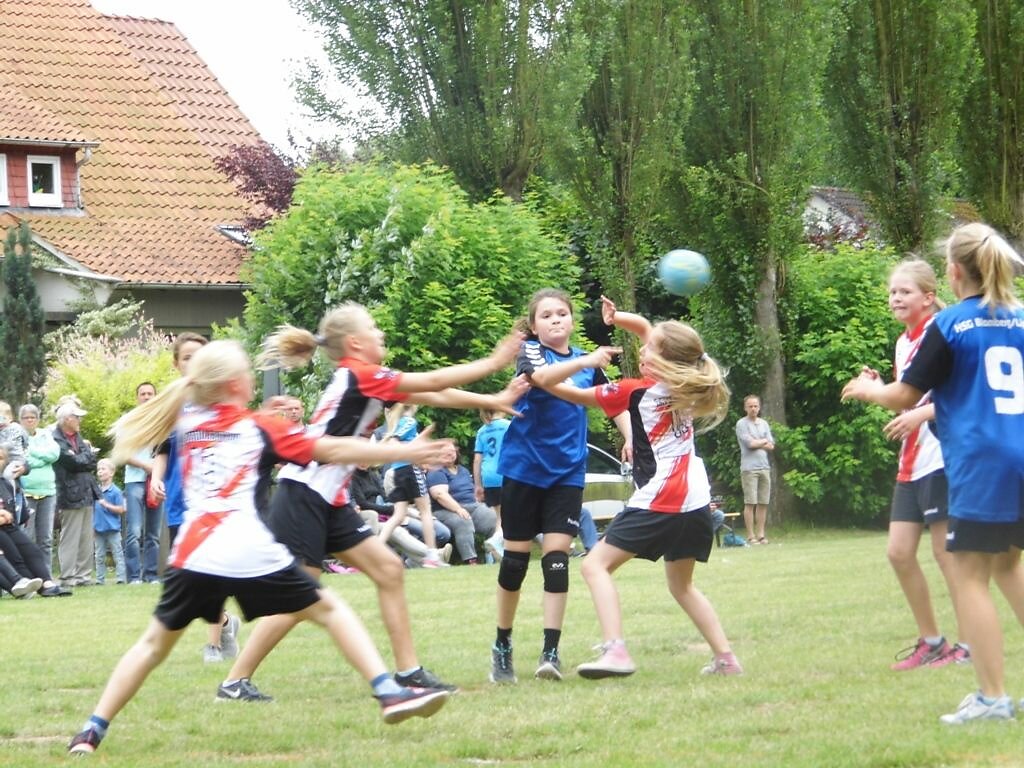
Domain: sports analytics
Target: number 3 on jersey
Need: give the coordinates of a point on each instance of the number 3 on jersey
(1004, 369)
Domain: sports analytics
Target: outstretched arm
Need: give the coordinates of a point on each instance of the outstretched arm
(627, 321)
(457, 375)
(357, 450)
(457, 398)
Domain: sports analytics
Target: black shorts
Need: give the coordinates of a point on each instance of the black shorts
(410, 484)
(527, 510)
(976, 536)
(311, 528)
(924, 501)
(652, 535)
(492, 496)
(189, 595)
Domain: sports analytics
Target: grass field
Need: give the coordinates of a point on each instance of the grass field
(815, 618)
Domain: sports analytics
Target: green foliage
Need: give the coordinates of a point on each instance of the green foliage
(443, 277)
(22, 355)
(103, 372)
(896, 79)
(477, 87)
(992, 121)
(114, 321)
(836, 320)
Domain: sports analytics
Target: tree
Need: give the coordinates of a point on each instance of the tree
(263, 177)
(751, 146)
(22, 354)
(896, 79)
(620, 159)
(473, 86)
(992, 123)
(444, 278)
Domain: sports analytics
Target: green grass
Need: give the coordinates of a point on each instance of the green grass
(815, 618)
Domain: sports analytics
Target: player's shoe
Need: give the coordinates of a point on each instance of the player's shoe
(957, 654)
(25, 588)
(973, 708)
(229, 637)
(411, 702)
(549, 667)
(495, 547)
(920, 655)
(501, 665)
(241, 690)
(435, 558)
(614, 661)
(84, 743)
(424, 678)
(723, 666)
(212, 654)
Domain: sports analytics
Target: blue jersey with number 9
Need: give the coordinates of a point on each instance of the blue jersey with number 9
(972, 359)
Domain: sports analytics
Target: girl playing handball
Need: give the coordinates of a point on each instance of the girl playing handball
(669, 514)
(223, 549)
(971, 359)
(543, 460)
(311, 512)
(920, 497)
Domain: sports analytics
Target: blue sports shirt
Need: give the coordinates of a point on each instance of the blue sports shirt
(972, 359)
(489, 439)
(547, 445)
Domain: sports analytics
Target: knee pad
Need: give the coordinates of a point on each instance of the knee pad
(512, 570)
(556, 572)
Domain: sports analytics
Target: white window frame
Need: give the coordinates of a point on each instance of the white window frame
(45, 199)
(4, 198)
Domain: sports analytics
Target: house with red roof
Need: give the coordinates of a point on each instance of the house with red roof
(109, 130)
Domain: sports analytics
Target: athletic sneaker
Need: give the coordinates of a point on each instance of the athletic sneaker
(920, 655)
(973, 708)
(212, 654)
(424, 678)
(435, 558)
(501, 665)
(722, 666)
(614, 661)
(549, 667)
(84, 743)
(26, 588)
(229, 637)
(411, 702)
(957, 654)
(495, 547)
(241, 690)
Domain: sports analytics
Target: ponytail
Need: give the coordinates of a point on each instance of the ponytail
(987, 260)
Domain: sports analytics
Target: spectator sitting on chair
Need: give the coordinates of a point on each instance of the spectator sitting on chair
(453, 494)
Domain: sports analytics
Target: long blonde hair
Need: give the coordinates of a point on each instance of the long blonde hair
(209, 371)
(290, 347)
(921, 274)
(988, 260)
(696, 384)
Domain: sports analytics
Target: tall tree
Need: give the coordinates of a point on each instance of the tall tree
(622, 157)
(22, 354)
(896, 79)
(475, 86)
(751, 142)
(993, 117)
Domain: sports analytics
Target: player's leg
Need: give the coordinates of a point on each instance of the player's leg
(679, 574)
(614, 660)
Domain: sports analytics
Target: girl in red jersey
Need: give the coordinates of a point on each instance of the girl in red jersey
(223, 548)
(920, 498)
(669, 514)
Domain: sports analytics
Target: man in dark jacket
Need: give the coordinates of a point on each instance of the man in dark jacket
(76, 492)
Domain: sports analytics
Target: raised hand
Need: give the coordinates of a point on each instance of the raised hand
(425, 450)
(602, 356)
(607, 310)
(507, 349)
(512, 393)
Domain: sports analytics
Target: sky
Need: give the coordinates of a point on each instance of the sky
(253, 48)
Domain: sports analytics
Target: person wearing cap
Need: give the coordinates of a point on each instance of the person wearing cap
(76, 492)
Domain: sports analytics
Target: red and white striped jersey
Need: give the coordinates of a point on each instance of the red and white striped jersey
(920, 452)
(349, 407)
(223, 451)
(669, 476)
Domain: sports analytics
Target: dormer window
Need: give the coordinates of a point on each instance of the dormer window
(44, 182)
(4, 199)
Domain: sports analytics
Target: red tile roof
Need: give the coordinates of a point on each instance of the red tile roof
(152, 195)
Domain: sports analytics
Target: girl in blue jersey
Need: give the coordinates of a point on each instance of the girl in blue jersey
(972, 360)
(543, 463)
(669, 514)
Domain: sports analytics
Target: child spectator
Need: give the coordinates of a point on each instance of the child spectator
(13, 436)
(107, 512)
(486, 451)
